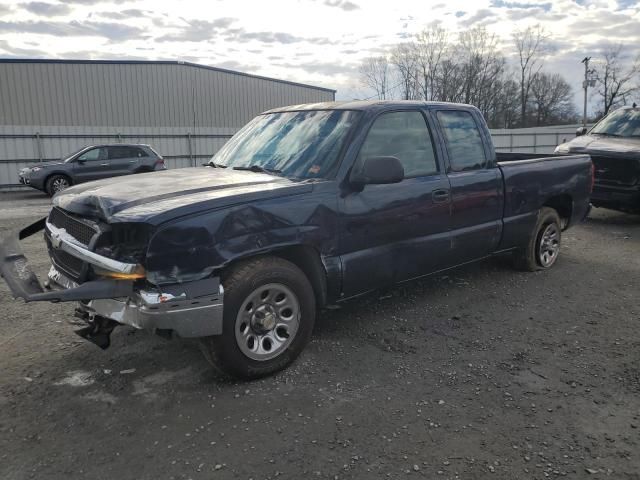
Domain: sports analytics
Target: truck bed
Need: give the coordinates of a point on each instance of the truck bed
(531, 180)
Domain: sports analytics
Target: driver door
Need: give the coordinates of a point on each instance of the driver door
(395, 232)
(90, 165)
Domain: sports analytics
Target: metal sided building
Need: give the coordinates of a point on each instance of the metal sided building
(185, 111)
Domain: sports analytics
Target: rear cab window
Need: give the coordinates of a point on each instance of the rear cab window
(463, 140)
(403, 135)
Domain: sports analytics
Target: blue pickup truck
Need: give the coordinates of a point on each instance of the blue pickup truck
(304, 207)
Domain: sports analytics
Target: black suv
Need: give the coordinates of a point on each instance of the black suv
(614, 146)
(91, 163)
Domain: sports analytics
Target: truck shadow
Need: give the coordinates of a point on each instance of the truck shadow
(394, 300)
(612, 217)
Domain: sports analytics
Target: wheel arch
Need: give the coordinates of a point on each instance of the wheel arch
(563, 204)
(305, 257)
(54, 173)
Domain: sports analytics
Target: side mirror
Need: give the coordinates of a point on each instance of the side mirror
(581, 131)
(379, 170)
(80, 161)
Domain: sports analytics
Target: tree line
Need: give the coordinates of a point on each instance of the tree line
(469, 68)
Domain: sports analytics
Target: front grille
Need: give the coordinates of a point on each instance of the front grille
(74, 227)
(82, 231)
(67, 263)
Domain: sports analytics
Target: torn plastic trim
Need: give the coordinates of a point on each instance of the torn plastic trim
(62, 240)
(24, 284)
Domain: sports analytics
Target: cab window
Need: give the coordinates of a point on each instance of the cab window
(403, 135)
(463, 139)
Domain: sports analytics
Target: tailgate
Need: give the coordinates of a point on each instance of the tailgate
(616, 171)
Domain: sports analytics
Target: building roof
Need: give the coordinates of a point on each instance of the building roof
(159, 62)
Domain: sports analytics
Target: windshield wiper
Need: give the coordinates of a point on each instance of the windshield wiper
(214, 165)
(259, 169)
(605, 134)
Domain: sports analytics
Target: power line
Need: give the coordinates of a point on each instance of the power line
(386, 90)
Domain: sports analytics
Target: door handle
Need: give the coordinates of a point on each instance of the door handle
(104, 164)
(440, 196)
(133, 161)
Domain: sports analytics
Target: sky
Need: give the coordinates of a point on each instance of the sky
(321, 42)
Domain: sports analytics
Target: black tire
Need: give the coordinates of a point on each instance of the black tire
(240, 285)
(56, 183)
(531, 257)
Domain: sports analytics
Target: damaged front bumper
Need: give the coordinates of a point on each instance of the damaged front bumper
(193, 309)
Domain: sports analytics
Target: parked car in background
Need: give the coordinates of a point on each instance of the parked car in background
(91, 163)
(304, 207)
(614, 146)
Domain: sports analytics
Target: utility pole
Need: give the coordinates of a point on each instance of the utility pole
(585, 85)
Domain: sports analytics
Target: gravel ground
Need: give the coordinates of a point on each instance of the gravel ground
(481, 373)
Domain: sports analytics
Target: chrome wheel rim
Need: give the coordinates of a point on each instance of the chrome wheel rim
(60, 184)
(549, 245)
(267, 321)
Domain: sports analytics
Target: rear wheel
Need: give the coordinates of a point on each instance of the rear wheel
(57, 183)
(269, 312)
(543, 248)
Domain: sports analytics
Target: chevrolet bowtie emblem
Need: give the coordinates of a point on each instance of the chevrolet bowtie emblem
(55, 239)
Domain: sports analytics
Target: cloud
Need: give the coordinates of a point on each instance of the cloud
(624, 4)
(93, 2)
(199, 30)
(322, 68)
(481, 16)
(205, 30)
(520, 5)
(345, 5)
(47, 9)
(12, 51)
(124, 14)
(519, 14)
(111, 31)
(277, 37)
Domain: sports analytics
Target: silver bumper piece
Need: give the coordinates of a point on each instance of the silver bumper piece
(196, 317)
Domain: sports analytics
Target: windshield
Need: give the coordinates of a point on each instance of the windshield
(621, 123)
(295, 144)
(67, 158)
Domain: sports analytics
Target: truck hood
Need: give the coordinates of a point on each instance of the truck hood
(157, 197)
(606, 146)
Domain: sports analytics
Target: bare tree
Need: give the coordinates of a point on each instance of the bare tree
(552, 99)
(483, 68)
(615, 80)
(469, 68)
(432, 47)
(531, 47)
(375, 75)
(404, 57)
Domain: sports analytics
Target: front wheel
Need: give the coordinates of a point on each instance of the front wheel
(57, 183)
(544, 245)
(269, 312)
